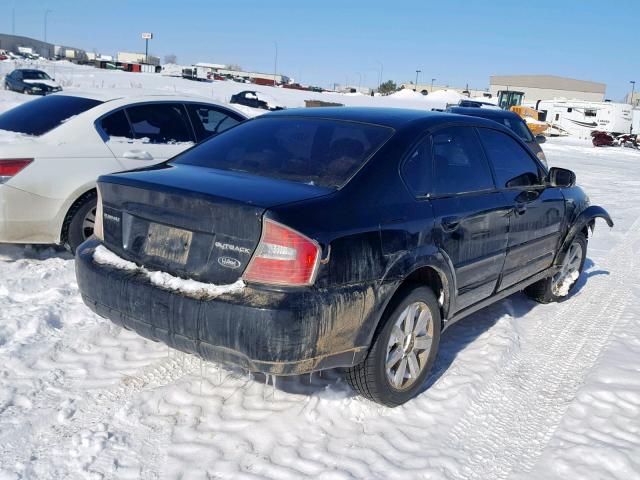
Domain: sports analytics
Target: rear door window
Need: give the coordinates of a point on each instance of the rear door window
(208, 120)
(459, 164)
(116, 125)
(519, 128)
(164, 123)
(416, 170)
(315, 151)
(37, 117)
(512, 164)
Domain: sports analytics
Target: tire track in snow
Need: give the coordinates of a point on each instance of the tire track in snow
(513, 417)
(96, 410)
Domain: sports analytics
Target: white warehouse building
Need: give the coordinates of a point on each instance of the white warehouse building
(548, 87)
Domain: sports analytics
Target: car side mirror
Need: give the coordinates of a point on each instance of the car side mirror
(561, 177)
(541, 138)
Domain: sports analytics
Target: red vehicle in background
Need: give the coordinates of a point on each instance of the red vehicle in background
(602, 139)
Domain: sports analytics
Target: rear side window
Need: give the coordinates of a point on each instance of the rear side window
(416, 170)
(116, 125)
(208, 121)
(37, 117)
(459, 164)
(307, 150)
(519, 128)
(512, 164)
(160, 123)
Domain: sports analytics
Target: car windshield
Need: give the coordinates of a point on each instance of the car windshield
(314, 151)
(35, 75)
(40, 116)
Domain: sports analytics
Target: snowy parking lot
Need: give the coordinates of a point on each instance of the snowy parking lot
(520, 390)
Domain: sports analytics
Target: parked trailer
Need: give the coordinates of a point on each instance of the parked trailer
(263, 81)
(196, 73)
(580, 118)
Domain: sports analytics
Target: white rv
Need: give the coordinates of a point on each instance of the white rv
(580, 117)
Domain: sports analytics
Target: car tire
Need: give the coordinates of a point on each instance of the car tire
(552, 289)
(375, 377)
(77, 226)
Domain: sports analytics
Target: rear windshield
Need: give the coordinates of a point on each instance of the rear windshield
(39, 116)
(306, 150)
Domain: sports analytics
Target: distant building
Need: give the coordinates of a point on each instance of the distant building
(15, 44)
(70, 53)
(548, 87)
(425, 88)
(219, 69)
(131, 57)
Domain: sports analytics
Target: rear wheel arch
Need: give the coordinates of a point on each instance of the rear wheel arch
(427, 275)
(435, 279)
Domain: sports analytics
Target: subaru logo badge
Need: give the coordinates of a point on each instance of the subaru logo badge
(229, 262)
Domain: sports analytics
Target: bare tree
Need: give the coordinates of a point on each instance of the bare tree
(171, 58)
(234, 66)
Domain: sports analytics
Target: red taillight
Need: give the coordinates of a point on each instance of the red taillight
(283, 257)
(10, 166)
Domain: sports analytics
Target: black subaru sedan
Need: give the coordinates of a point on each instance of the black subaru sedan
(319, 238)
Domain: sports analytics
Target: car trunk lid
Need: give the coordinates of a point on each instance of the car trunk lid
(189, 221)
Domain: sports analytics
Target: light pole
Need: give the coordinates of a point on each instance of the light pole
(46, 13)
(633, 87)
(415, 88)
(275, 65)
(359, 81)
(432, 80)
(380, 76)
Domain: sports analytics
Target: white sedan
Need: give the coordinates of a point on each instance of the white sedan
(53, 149)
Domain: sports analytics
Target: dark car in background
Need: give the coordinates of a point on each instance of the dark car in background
(510, 120)
(333, 237)
(250, 98)
(33, 82)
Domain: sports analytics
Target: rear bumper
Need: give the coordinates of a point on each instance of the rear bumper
(280, 333)
(28, 218)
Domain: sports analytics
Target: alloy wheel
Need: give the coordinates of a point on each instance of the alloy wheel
(569, 271)
(88, 223)
(409, 346)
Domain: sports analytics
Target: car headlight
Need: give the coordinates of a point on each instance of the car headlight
(36, 89)
(98, 230)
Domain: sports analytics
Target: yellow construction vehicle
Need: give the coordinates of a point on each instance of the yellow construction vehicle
(532, 117)
(512, 100)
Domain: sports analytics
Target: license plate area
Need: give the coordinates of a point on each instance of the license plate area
(168, 243)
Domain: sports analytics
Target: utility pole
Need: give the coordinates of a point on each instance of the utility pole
(415, 87)
(380, 77)
(275, 65)
(46, 13)
(633, 87)
(432, 80)
(13, 21)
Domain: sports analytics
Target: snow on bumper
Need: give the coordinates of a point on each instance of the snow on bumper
(274, 332)
(190, 288)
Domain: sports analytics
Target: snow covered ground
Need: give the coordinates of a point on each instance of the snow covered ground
(520, 390)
